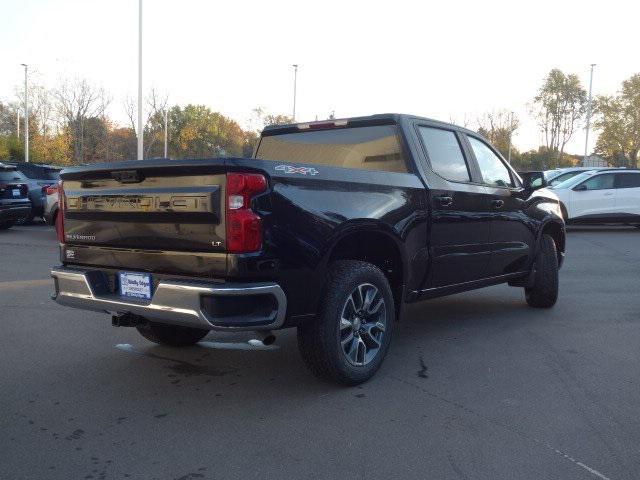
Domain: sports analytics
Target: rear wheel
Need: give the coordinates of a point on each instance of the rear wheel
(172, 335)
(5, 225)
(544, 291)
(348, 340)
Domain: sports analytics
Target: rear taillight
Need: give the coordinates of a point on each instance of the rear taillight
(60, 215)
(50, 190)
(244, 229)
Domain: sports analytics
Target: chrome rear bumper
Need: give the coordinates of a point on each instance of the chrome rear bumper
(173, 302)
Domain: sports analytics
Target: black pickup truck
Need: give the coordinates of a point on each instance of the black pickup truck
(331, 228)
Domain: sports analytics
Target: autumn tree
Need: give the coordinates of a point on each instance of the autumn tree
(618, 120)
(196, 131)
(559, 106)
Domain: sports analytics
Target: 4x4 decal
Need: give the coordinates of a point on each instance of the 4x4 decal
(300, 170)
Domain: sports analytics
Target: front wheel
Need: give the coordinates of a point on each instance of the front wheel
(544, 291)
(348, 340)
(172, 335)
(6, 225)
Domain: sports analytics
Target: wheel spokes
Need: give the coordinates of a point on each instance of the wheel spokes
(369, 297)
(373, 334)
(357, 346)
(362, 324)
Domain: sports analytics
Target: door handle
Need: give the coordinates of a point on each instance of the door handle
(497, 203)
(608, 194)
(444, 200)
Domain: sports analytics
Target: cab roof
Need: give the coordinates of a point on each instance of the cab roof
(378, 119)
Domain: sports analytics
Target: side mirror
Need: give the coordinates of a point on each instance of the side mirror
(533, 180)
(580, 188)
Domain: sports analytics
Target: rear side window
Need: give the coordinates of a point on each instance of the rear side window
(562, 177)
(445, 154)
(11, 176)
(493, 171)
(599, 182)
(370, 148)
(628, 180)
(39, 172)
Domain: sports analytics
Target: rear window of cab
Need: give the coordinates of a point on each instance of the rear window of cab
(370, 148)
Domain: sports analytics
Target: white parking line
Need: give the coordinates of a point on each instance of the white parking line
(498, 423)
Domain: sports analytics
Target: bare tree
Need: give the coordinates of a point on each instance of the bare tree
(77, 101)
(154, 125)
(464, 122)
(130, 111)
(157, 104)
(498, 127)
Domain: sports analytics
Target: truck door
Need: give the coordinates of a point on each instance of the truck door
(511, 237)
(459, 231)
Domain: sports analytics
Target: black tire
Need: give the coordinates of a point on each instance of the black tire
(544, 292)
(172, 335)
(323, 341)
(6, 225)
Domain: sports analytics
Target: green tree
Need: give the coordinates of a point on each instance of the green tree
(559, 106)
(618, 120)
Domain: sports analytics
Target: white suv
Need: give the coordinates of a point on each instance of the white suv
(601, 196)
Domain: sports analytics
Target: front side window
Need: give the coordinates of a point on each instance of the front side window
(371, 148)
(493, 171)
(599, 182)
(628, 180)
(445, 154)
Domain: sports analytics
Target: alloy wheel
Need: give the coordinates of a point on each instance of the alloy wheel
(363, 324)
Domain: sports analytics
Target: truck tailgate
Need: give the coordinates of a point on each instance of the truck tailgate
(146, 206)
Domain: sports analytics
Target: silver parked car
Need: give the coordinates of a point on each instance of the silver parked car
(51, 204)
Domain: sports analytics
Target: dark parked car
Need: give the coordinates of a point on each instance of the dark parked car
(331, 228)
(38, 178)
(14, 198)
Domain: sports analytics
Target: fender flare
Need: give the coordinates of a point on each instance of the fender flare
(359, 226)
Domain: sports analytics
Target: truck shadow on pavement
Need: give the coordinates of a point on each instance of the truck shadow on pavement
(217, 366)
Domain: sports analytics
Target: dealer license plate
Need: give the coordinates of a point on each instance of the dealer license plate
(135, 285)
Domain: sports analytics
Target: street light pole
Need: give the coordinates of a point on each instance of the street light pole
(586, 140)
(140, 126)
(295, 85)
(26, 113)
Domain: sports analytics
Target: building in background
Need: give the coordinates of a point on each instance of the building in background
(594, 160)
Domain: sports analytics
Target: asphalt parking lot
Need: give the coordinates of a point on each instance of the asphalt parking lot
(476, 386)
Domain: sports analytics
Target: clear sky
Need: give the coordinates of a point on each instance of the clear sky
(444, 59)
